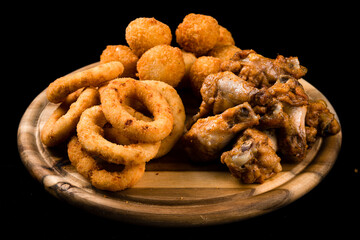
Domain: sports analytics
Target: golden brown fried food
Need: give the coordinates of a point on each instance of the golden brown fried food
(178, 112)
(263, 71)
(62, 123)
(124, 55)
(208, 136)
(144, 33)
(59, 89)
(163, 63)
(113, 99)
(202, 67)
(103, 175)
(90, 133)
(197, 33)
(319, 117)
(225, 37)
(224, 90)
(224, 52)
(252, 159)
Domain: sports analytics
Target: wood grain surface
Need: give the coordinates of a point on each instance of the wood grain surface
(173, 191)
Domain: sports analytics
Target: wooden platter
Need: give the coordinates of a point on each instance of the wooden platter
(173, 191)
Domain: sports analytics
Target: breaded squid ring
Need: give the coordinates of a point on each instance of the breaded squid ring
(113, 98)
(178, 112)
(101, 175)
(93, 77)
(62, 123)
(90, 133)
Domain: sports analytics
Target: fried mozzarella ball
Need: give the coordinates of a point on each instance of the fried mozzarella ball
(197, 33)
(124, 55)
(202, 67)
(225, 37)
(144, 33)
(224, 52)
(162, 63)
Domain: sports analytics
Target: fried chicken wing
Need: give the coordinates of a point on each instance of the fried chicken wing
(253, 158)
(288, 90)
(262, 71)
(319, 117)
(292, 137)
(274, 117)
(208, 136)
(223, 90)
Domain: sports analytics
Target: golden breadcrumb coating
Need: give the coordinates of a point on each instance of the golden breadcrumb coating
(197, 33)
(224, 52)
(225, 37)
(124, 55)
(163, 63)
(202, 67)
(144, 33)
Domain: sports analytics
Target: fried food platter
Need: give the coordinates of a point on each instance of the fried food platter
(173, 191)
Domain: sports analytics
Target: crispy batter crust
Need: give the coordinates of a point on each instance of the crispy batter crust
(197, 33)
(93, 77)
(62, 123)
(90, 132)
(124, 55)
(101, 175)
(144, 33)
(162, 63)
(113, 98)
(178, 112)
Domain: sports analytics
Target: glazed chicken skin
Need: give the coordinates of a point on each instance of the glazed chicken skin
(320, 118)
(253, 158)
(262, 71)
(270, 88)
(292, 136)
(208, 136)
(286, 107)
(223, 90)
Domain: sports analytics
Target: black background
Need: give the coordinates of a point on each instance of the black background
(44, 42)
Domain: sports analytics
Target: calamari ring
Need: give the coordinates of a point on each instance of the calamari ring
(93, 77)
(62, 122)
(178, 112)
(101, 175)
(90, 133)
(113, 98)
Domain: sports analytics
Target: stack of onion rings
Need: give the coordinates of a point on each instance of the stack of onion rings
(62, 123)
(113, 98)
(101, 175)
(114, 140)
(90, 133)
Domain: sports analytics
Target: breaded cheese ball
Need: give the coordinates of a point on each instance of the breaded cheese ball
(162, 63)
(124, 55)
(225, 37)
(144, 33)
(197, 33)
(224, 52)
(201, 68)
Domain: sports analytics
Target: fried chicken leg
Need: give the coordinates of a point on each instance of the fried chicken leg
(208, 136)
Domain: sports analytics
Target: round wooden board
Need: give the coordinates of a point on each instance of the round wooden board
(173, 191)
